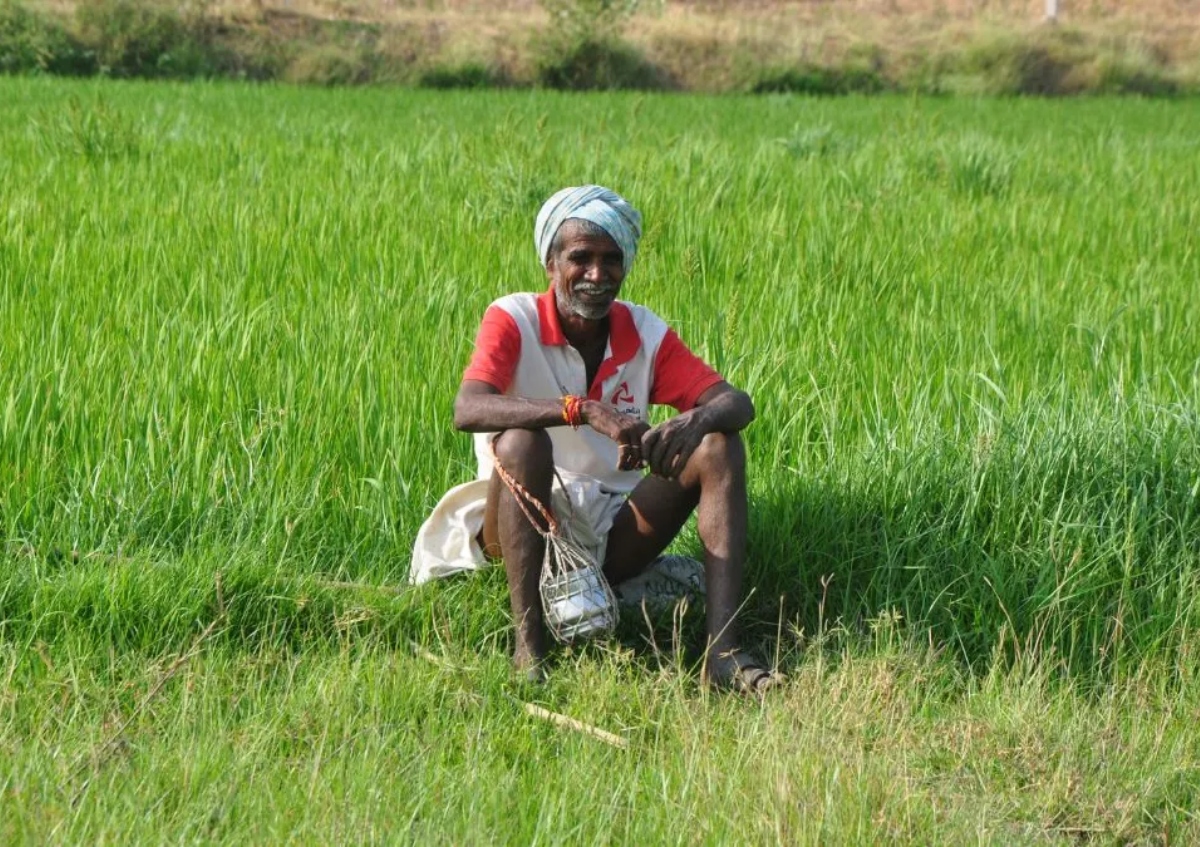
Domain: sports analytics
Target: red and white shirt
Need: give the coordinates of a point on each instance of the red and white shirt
(521, 351)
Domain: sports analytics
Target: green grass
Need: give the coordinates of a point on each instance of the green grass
(232, 322)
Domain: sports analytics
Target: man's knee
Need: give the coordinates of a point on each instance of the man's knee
(720, 453)
(525, 451)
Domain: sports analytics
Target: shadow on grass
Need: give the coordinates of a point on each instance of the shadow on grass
(1065, 544)
(1069, 549)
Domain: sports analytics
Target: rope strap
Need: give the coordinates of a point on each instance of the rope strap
(525, 499)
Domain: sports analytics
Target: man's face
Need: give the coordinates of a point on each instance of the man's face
(587, 273)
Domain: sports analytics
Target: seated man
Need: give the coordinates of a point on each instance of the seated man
(561, 382)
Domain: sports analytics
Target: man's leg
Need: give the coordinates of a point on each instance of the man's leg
(714, 479)
(528, 456)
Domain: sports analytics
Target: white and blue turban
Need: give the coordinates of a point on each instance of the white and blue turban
(603, 207)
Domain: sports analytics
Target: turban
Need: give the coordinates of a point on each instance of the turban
(605, 208)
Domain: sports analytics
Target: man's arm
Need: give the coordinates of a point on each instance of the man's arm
(721, 408)
(480, 407)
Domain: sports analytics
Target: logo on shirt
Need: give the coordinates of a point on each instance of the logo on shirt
(622, 395)
(623, 399)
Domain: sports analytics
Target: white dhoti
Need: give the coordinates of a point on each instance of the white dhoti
(448, 541)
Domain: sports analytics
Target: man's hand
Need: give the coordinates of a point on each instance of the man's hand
(667, 447)
(626, 430)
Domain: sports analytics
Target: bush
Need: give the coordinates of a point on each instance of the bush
(583, 21)
(583, 49)
(247, 54)
(32, 43)
(1117, 76)
(598, 65)
(468, 75)
(135, 39)
(1016, 67)
(23, 38)
(815, 79)
(330, 64)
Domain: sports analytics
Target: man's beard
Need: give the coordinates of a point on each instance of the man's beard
(589, 310)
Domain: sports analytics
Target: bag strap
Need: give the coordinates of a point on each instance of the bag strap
(525, 499)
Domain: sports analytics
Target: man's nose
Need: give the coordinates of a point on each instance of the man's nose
(595, 271)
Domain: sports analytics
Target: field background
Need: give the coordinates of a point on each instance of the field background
(807, 46)
(232, 322)
(800, 29)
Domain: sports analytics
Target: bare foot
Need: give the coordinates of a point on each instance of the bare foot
(737, 670)
(528, 663)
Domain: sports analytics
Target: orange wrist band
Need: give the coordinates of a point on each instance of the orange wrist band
(573, 410)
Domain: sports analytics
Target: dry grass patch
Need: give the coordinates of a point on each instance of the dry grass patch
(718, 46)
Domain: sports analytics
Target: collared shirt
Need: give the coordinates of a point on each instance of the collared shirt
(521, 351)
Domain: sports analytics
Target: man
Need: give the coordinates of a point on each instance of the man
(560, 383)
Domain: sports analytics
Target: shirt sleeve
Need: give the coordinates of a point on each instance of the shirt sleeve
(497, 348)
(680, 376)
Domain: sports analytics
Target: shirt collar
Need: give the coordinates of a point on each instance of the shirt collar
(623, 338)
(551, 329)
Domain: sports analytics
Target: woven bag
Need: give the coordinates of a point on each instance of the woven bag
(577, 601)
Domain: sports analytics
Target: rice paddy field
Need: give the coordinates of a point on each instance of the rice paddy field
(232, 323)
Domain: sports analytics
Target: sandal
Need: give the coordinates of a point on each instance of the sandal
(746, 675)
